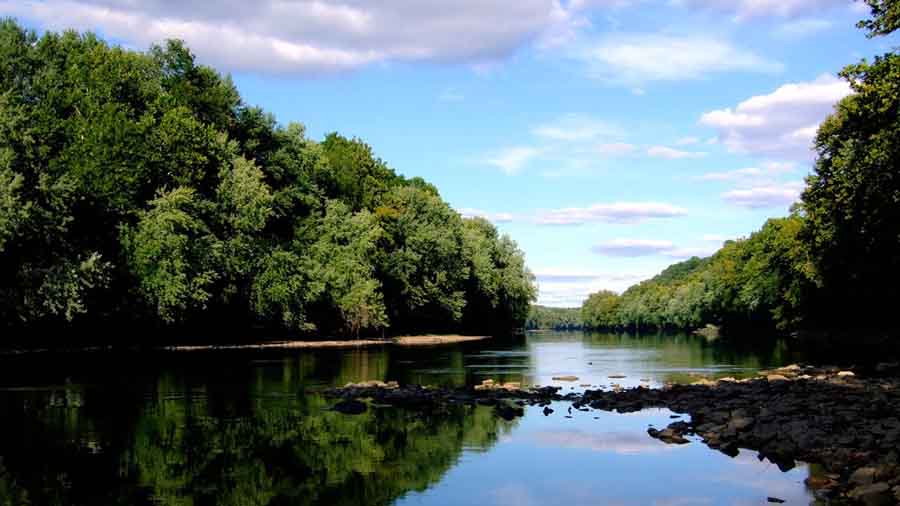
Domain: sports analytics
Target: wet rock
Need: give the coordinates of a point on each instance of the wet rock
(876, 494)
(565, 378)
(617, 376)
(547, 411)
(350, 407)
(863, 476)
(775, 500)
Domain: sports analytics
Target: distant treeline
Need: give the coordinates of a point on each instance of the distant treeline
(833, 263)
(138, 191)
(554, 318)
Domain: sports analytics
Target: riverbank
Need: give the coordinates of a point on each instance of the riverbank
(846, 420)
(420, 340)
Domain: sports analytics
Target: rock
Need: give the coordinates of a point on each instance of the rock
(547, 411)
(741, 423)
(617, 376)
(565, 378)
(875, 494)
(668, 436)
(775, 500)
(896, 491)
(819, 482)
(776, 377)
(863, 476)
(350, 407)
(845, 374)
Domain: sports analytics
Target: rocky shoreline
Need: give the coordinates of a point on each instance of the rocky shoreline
(846, 420)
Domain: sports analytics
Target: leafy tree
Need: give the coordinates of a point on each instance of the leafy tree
(852, 200)
(885, 17)
(171, 252)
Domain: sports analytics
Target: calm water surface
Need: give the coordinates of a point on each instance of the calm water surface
(247, 428)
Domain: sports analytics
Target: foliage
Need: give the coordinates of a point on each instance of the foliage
(139, 188)
(885, 17)
(762, 280)
(554, 318)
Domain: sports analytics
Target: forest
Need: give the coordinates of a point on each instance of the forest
(833, 263)
(553, 318)
(138, 190)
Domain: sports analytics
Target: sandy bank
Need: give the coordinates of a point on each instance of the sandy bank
(423, 340)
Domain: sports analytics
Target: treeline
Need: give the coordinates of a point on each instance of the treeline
(554, 318)
(139, 189)
(833, 263)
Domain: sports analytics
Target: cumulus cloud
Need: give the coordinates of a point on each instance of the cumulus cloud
(747, 9)
(468, 212)
(639, 58)
(781, 123)
(314, 36)
(672, 153)
(511, 160)
(616, 212)
(648, 247)
(758, 197)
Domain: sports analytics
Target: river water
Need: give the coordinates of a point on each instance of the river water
(247, 428)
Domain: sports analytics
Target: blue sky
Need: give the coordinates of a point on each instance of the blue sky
(609, 138)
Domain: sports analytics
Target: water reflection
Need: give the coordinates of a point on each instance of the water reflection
(247, 428)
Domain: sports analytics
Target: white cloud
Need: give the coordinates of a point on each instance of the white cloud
(511, 160)
(802, 28)
(757, 197)
(616, 148)
(672, 154)
(746, 9)
(569, 287)
(468, 212)
(617, 212)
(781, 123)
(574, 128)
(639, 58)
(633, 247)
(648, 247)
(766, 171)
(687, 141)
(315, 36)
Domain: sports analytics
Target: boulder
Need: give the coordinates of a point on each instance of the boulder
(876, 494)
(863, 476)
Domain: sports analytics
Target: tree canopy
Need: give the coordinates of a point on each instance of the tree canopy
(138, 187)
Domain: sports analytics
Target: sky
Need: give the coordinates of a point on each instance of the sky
(608, 138)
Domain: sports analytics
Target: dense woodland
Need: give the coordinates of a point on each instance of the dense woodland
(833, 263)
(138, 188)
(554, 318)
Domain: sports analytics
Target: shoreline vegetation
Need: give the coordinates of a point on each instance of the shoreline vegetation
(139, 191)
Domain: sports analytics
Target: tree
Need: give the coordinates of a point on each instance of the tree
(171, 253)
(885, 17)
(852, 200)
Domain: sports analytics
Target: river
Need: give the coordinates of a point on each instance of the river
(247, 428)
